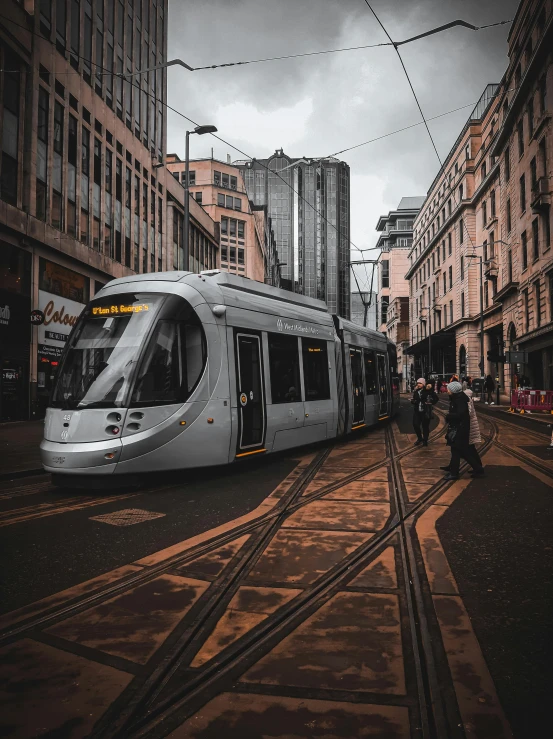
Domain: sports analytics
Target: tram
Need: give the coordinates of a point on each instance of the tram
(178, 370)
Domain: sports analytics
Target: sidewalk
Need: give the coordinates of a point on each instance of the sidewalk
(537, 421)
(19, 447)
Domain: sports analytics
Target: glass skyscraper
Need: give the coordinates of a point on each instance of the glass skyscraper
(309, 203)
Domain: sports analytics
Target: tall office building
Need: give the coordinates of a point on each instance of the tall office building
(364, 309)
(308, 201)
(82, 196)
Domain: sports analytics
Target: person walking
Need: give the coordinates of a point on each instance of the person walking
(459, 434)
(423, 399)
(489, 386)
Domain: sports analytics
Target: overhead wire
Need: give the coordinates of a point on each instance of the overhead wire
(253, 159)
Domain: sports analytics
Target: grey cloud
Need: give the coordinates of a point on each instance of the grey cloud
(356, 95)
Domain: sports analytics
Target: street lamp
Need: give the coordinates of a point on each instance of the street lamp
(200, 130)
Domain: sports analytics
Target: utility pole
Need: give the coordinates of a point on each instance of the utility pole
(366, 304)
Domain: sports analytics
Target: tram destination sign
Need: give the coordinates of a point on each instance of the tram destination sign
(295, 326)
(110, 311)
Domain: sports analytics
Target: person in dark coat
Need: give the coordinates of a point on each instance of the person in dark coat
(458, 434)
(489, 386)
(423, 399)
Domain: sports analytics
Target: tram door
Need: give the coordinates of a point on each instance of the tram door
(251, 396)
(356, 359)
(382, 385)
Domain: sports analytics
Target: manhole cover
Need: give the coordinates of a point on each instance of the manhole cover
(127, 517)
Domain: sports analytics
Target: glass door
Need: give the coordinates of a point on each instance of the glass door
(251, 397)
(358, 391)
(382, 385)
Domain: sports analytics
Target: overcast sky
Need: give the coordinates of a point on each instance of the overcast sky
(316, 106)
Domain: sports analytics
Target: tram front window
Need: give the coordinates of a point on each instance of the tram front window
(103, 351)
(139, 349)
(172, 364)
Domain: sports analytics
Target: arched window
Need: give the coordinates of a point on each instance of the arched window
(462, 362)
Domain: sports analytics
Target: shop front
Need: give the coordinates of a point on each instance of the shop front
(537, 372)
(62, 296)
(15, 332)
(434, 356)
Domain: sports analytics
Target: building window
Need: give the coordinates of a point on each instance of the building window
(450, 277)
(240, 256)
(42, 154)
(75, 33)
(224, 225)
(492, 203)
(537, 297)
(484, 170)
(526, 310)
(216, 178)
(551, 298)
(486, 293)
(220, 200)
(237, 204)
(240, 229)
(530, 113)
(229, 202)
(484, 213)
(522, 193)
(542, 94)
(535, 239)
(191, 177)
(385, 273)
(462, 268)
(443, 248)
(199, 197)
(449, 241)
(509, 266)
(520, 135)
(509, 220)
(384, 308)
(524, 250)
(507, 164)
(445, 282)
(533, 173)
(462, 305)
(284, 366)
(57, 177)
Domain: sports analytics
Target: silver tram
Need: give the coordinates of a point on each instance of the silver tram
(175, 370)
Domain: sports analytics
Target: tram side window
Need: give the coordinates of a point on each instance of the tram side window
(370, 372)
(284, 363)
(315, 369)
(172, 364)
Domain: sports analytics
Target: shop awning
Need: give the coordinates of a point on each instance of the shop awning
(437, 340)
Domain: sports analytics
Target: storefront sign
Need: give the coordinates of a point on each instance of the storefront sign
(37, 317)
(60, 315)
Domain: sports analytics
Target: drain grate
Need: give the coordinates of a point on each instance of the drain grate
(127, 517)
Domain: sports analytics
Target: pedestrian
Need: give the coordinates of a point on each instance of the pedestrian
(489, 386)
(423, 399)
(459, 434)
(551, 442)
(454, 378)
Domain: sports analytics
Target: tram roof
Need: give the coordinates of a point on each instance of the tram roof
(355, 328)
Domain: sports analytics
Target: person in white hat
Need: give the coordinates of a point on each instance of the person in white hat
(458, 434)
(423, 399)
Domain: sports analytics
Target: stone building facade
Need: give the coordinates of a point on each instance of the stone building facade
(247, 246)
(83, 198)
(395, 242)
(481, 248)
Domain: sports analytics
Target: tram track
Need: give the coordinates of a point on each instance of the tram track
(157, 719)
(139, 710)
(179, 560)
